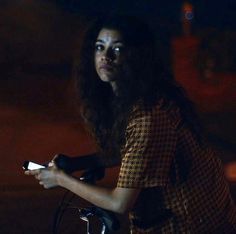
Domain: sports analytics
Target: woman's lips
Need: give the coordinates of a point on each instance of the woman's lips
(106, 67)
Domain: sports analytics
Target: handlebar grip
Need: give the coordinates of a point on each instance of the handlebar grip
(72, 164)
(65, 163)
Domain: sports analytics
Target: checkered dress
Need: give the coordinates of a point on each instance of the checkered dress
(183, 185)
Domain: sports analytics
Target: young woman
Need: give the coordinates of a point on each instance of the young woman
(169, 180)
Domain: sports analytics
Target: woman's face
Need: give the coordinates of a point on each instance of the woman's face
(110, 55)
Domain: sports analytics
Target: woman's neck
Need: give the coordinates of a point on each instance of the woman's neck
(114, 87)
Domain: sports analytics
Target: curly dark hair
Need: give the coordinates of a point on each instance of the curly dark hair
(148, 81)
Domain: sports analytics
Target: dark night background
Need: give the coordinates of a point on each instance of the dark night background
(220, 14)
(39, 40)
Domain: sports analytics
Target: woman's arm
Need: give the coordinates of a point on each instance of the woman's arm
(118, 200)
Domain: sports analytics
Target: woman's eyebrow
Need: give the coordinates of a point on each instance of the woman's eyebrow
(102, 41)
(118, 41)
(99, 40)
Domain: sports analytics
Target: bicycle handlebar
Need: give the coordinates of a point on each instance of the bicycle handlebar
(72, 164)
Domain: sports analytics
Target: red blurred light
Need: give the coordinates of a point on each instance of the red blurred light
(230, 171)
(187, 7)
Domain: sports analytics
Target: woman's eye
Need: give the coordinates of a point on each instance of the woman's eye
(99, 47)
(117, 49)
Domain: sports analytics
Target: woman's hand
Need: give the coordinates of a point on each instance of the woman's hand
(48, 177)
(119, 200)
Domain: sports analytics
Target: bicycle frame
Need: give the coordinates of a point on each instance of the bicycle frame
(89, 212)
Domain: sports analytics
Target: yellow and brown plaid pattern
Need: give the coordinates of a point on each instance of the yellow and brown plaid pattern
(176, 174)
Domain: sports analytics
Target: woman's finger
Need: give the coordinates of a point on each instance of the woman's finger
(32, 172)
(55, 156)
(51, 164)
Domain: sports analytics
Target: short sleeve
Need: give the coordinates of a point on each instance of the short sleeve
(149, 149)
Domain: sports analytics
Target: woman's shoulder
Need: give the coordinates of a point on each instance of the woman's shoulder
(158, 112)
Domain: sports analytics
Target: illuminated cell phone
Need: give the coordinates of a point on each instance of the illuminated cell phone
(28, 165)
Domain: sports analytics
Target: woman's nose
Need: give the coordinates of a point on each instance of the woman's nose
(108, 55)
